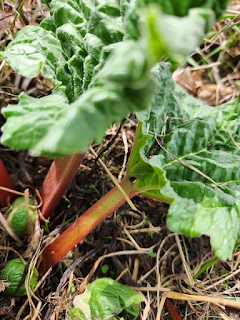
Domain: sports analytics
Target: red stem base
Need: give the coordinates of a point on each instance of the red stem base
(6, 182)
(57, 181)
(84, 225)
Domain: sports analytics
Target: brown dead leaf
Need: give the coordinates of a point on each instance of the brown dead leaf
(188, 79)
(2, 285)
(197, 84)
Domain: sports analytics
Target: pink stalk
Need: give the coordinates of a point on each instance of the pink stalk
(57, 181)
(172, 310)
(84, 225)
(6, 182)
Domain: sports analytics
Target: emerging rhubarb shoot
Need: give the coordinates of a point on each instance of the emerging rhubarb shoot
(12, 275)
(20, 214)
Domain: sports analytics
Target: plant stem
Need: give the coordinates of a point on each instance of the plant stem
(6, 182)
(172, 310)
(57, 181)
(78, 230)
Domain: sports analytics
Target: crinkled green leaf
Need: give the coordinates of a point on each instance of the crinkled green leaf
(20, 124)
(106, 299)
(94, 110)
(34, 50)
(187, 153)
(101, 53)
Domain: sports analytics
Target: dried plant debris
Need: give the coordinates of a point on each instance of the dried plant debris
(213, 72)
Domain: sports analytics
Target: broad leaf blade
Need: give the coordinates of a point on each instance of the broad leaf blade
(28, 123)
(187, 153)
(81, 47)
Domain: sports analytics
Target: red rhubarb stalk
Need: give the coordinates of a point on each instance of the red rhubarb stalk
(6, 182)
(85, 224)
(57, 181)
(172, 310)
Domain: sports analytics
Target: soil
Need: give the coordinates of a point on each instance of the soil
(162, 267)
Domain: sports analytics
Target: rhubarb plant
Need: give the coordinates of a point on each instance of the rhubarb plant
(102, 58)
(99, 56)
(186, 153)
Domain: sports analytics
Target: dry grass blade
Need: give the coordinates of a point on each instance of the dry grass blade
(124, 138)
(41, 281)
(151, 289)
(220, 312)
(12, 191)
(10, 230)
(13, 250)
(233, 141)
(160, 308)
(100, 259)
(187, 297)
(231, 275)
(185, 265)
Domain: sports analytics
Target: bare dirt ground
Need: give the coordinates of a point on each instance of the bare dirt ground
(162, 261)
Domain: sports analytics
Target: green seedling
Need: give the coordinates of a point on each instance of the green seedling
(152, 254)
(104, 268)
(72, 287)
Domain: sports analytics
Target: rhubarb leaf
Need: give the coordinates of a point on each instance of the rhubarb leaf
(23, 130)
(34, 50)
(106, 299)
(101, 54)
(187, 154)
